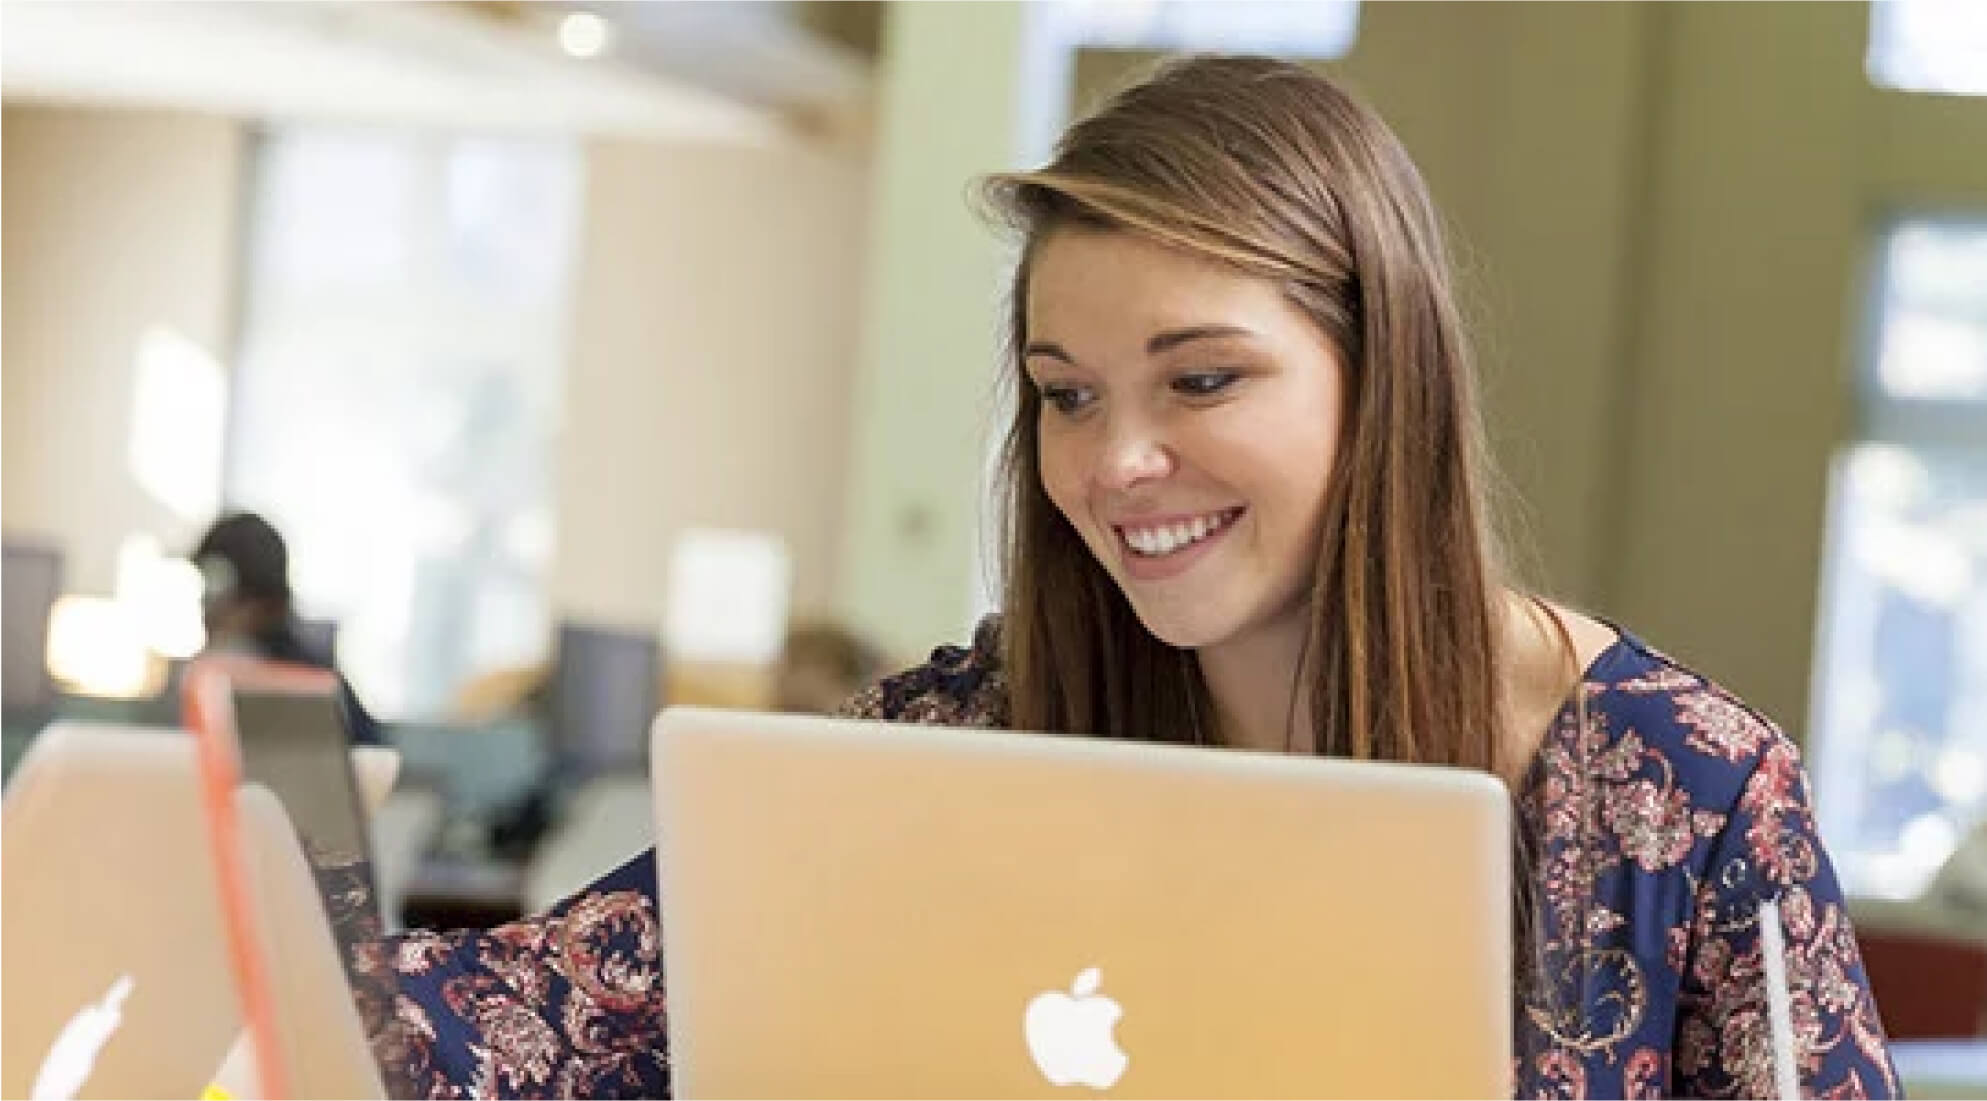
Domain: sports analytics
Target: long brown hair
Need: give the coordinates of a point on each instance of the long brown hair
(1275, 170)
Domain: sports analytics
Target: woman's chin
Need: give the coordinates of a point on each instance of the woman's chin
(1182, 629)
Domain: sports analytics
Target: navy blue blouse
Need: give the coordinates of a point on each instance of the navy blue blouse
(1673, 837)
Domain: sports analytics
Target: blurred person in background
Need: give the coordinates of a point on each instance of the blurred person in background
(821, 666)
(1247, 508)
(247, 608)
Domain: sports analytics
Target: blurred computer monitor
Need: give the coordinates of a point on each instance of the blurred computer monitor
(30, 580)
(319, 638)
(604, 696)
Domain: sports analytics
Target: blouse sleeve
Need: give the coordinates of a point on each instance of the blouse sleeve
(567, 1003)
(570, 1003)
(1727, 1036)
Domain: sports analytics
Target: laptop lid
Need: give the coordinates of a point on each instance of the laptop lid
(868, 909)
(108, 886)
(118, 974)
(286, 724)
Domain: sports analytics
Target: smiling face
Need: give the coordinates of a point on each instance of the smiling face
(1190, 415)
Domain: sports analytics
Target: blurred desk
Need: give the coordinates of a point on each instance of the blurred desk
(453, 892)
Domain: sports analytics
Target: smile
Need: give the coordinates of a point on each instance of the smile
(1166, 538)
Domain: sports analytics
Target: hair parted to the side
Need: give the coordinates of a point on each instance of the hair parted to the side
(1272, 168)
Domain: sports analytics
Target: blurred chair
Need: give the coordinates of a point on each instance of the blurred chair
(404, 830)
(474, 771)
(822, 664)
(1927, 957)
(1928, 987)
(477, 767)
(500, 693)
(608, 820)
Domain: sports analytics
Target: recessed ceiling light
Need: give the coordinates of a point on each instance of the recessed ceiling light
(583, 34)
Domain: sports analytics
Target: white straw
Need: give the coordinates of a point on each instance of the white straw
(1779, 1002)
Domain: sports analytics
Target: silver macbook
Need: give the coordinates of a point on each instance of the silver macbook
(878, 910)
(119, 980)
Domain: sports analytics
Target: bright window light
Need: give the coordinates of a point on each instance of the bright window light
(1899, 744)
(162, 596)
(727, 597)
(96, 648)
(178, 416)
(1933, 329)
(407, 301)
(1288, 28)
(1936, 46)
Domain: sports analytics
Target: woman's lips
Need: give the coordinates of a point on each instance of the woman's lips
(1156, 548)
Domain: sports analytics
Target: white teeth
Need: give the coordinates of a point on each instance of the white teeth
(1155, 542)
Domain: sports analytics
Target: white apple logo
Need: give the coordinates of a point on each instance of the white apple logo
(1070, 1035)
(74, 1054)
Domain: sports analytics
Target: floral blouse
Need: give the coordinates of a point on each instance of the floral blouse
(1663, 822)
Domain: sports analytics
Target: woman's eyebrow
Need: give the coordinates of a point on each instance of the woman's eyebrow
(1160, 342)
(1047, 348)
(1173, 338)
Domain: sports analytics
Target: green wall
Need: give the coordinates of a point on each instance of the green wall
(1662, 212)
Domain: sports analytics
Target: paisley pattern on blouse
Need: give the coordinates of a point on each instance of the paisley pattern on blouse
(1664, 811)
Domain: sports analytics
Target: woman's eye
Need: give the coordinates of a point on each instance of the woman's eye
(1201, 384)
(1067, 399)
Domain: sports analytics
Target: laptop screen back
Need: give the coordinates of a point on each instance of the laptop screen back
(296, 745)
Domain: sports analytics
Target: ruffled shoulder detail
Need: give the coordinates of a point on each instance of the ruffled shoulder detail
(956, 686)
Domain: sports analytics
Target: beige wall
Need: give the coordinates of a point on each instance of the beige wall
(1661, 213)
(1738, 388)
(710, 354)
(708, 378)
(713, 340)
(111, 222)
(951, 106)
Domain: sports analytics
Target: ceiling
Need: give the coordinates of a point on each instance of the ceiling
(737, 72)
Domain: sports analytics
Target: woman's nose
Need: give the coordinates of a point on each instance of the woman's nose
(1133, 454)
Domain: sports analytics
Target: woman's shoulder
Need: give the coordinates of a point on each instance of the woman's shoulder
(955, 686)
(1644, 705)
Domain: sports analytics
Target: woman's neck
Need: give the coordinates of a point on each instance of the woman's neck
(1543, 652)
(1259, 702)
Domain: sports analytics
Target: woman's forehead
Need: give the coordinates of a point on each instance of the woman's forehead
(1109, 284)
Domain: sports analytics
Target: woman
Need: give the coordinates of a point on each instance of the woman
(1245, 487)
(246, 606)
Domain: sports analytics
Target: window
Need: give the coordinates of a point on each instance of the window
(1937, 46)
(1900, 745)
(398, 394)
(1312, 29)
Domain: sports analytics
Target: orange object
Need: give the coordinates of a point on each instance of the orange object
(210, 715)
